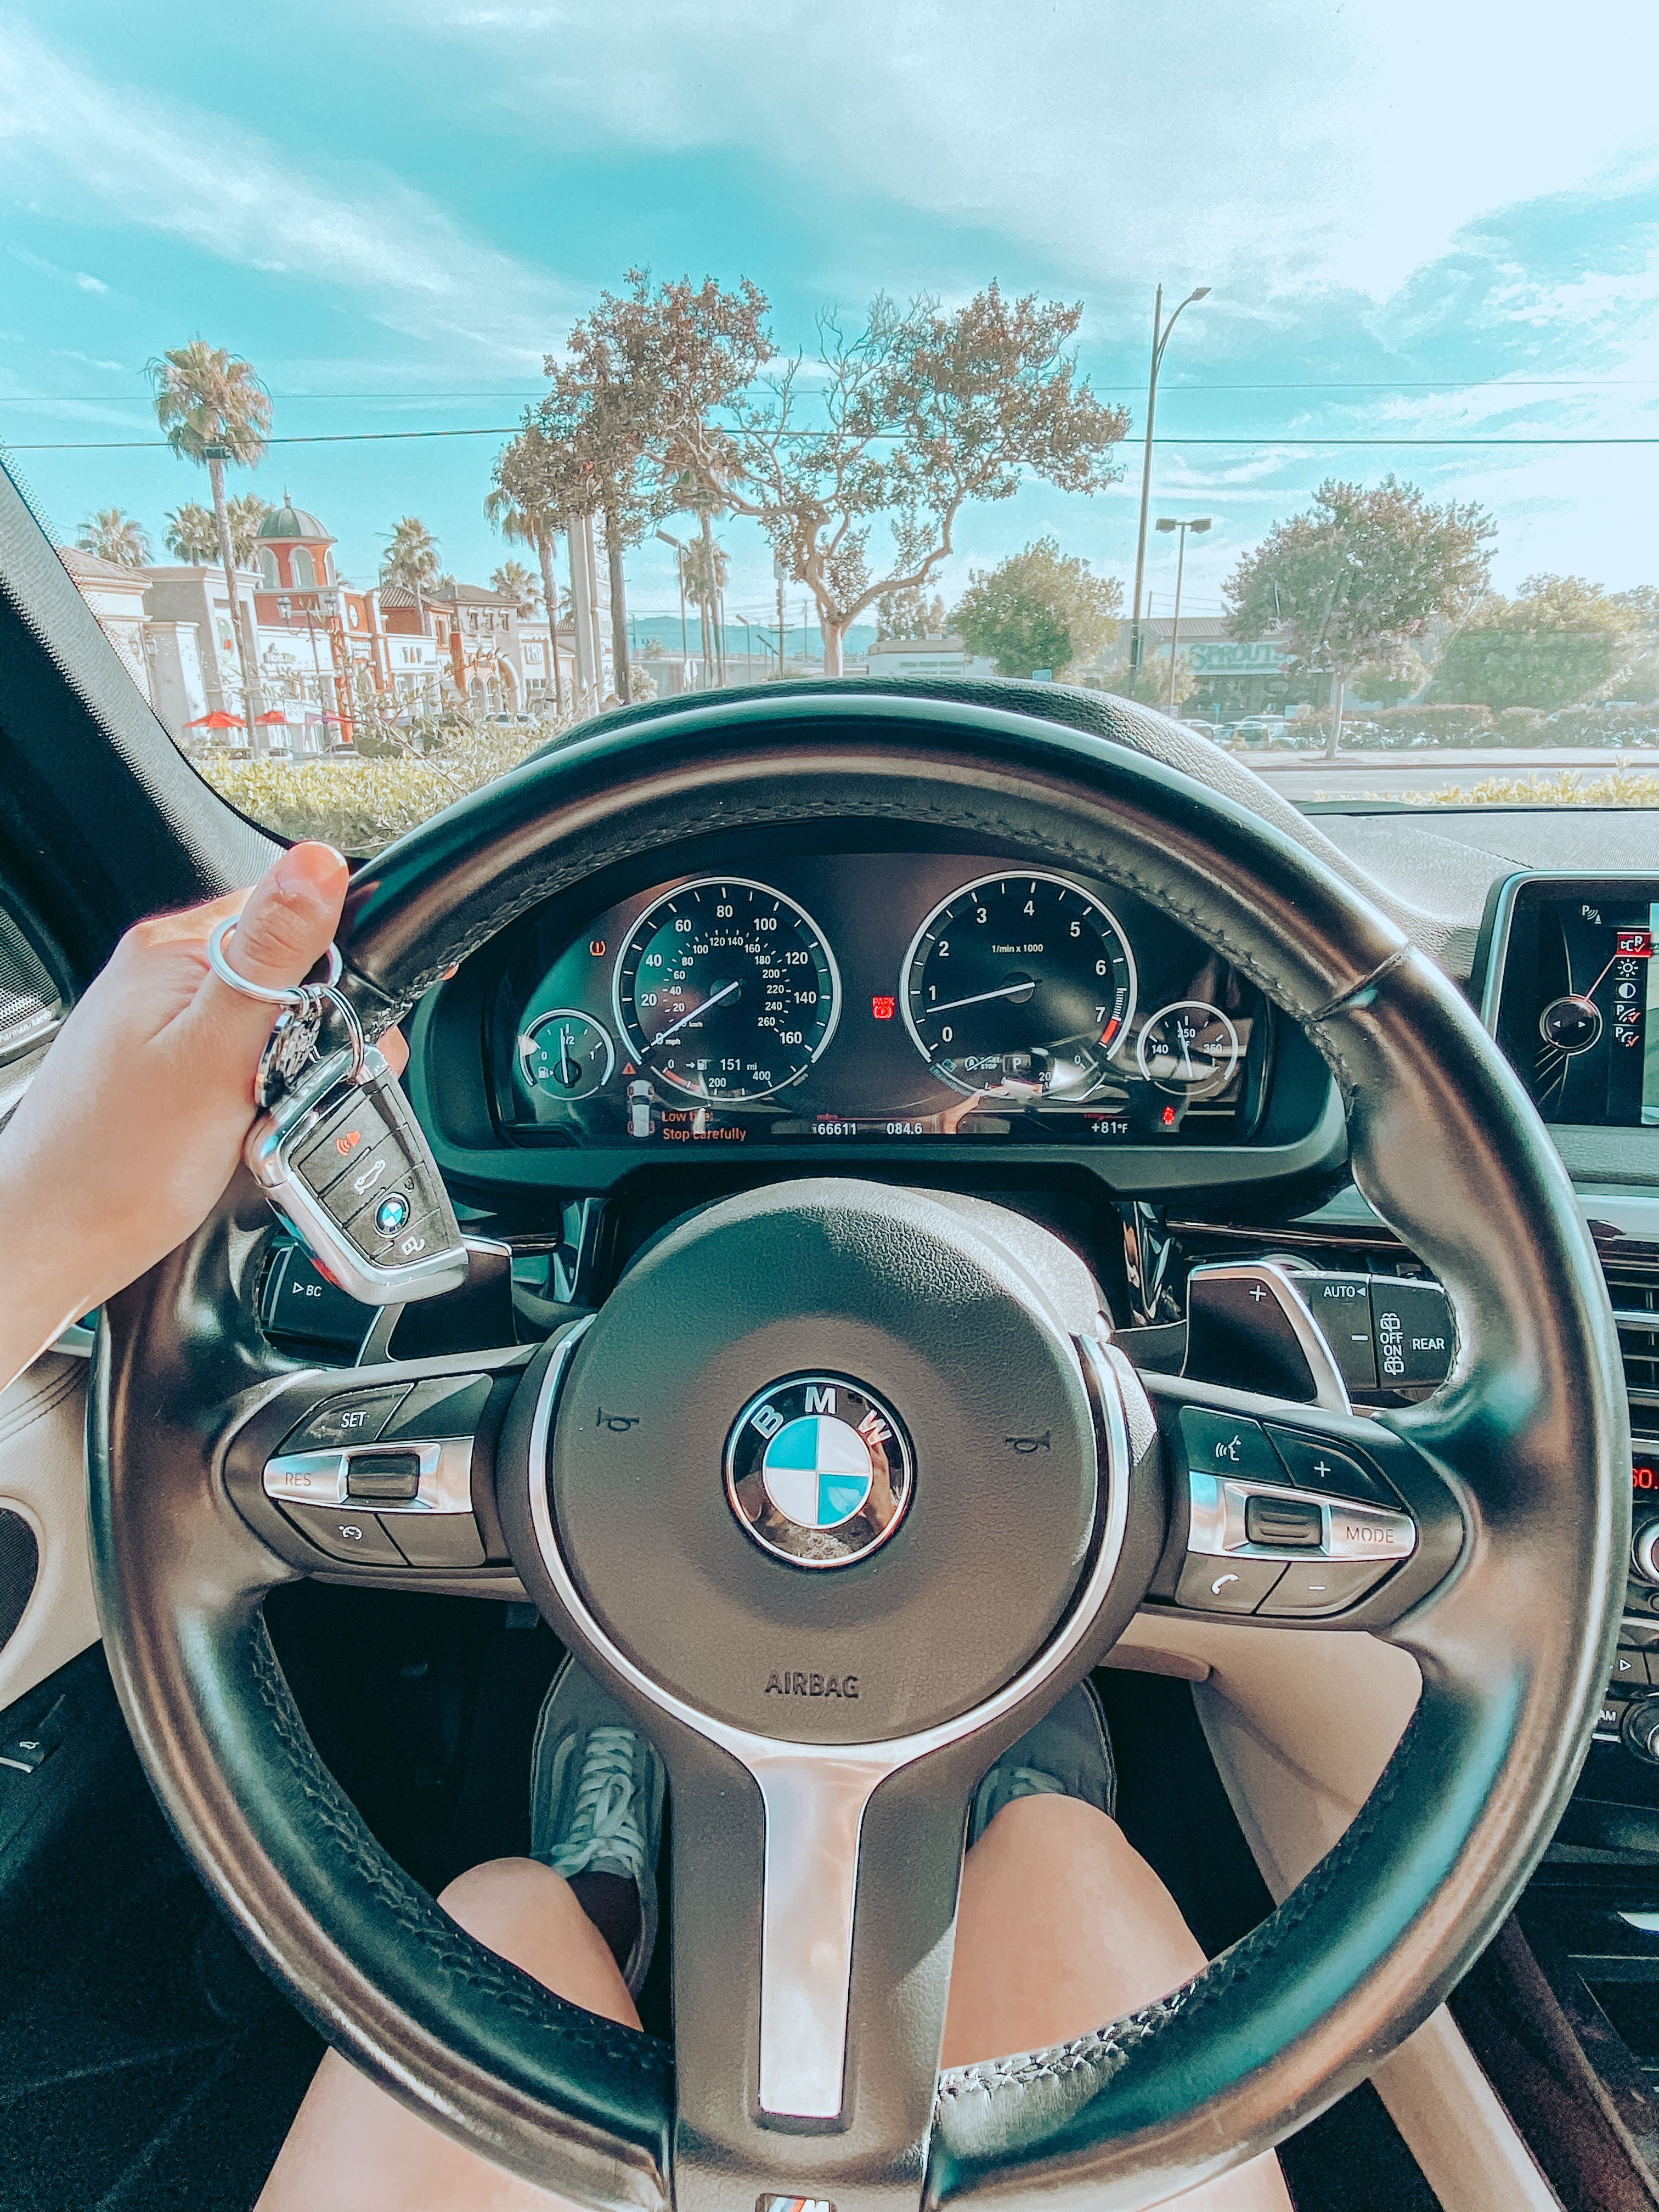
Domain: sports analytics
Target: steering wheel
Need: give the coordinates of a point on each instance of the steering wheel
(818, 1838)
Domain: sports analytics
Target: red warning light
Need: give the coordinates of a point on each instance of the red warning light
(1634, 944)
(883, 1009)
(596, 946)
(1168, 1117)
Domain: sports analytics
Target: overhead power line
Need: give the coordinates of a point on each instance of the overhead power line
(1278, 443)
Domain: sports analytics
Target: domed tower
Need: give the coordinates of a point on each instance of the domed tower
(295, 552)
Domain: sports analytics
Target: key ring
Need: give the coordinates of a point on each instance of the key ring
(291, 994)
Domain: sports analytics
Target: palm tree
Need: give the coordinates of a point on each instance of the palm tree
(113, 536)
(411, 560)
(706, 570)
(528, 506)
(213, 409)
(193, 534)
(514, 582)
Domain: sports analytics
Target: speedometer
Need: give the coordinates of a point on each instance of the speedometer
(1019, 987)
(724, 991)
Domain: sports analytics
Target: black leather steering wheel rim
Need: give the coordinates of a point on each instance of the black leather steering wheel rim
(1529, 1432)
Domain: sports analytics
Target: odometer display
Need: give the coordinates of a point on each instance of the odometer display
(1019, 987)
(726, 991)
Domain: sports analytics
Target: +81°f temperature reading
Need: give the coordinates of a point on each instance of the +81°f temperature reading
(726, 991)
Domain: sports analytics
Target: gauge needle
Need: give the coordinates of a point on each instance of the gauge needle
(567, 1065)
(979, 998)
(674, 1027)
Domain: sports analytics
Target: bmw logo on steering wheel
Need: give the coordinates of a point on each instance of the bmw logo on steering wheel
(819, 1470)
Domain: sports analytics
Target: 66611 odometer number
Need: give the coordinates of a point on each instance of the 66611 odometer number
(726, 991)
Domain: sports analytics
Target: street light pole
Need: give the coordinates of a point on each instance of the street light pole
(1161, 331)
(1199, 523)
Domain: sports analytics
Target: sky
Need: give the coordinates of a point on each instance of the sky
(1418, 221)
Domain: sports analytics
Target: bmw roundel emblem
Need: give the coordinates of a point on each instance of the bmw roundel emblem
(819, 1470)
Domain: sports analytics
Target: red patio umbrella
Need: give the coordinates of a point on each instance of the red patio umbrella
(218, 719)
(275, 715)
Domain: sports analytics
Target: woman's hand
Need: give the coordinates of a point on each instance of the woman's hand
(134, 1125)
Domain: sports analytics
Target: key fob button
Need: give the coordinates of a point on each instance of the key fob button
(362, 1187)
(344, 1142)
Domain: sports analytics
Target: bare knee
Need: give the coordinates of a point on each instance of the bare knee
(528, 1915)
(1052, 1827)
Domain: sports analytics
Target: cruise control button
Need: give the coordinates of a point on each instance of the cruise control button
(1341, 1304)
(447, 1405)
(345, 1533)
(383, 1478)
(437, 1539)
(1313, 1464)
(1284, 1522)
(357, 1420)
(1222, 1443)
(1220, 1585)
(1311, 1587)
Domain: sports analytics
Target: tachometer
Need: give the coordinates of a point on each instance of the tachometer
(724, 991)
(1019, 987)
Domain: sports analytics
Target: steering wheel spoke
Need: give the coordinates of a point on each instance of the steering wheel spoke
(1286, 1513)
(381, 1473)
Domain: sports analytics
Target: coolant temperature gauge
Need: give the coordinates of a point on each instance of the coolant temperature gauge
(1190, 1048)
(566, 1055)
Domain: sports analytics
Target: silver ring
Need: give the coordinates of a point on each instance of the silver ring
(354, 1028)
(287, 995)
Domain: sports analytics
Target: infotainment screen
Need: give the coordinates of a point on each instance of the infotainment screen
(1573, 995)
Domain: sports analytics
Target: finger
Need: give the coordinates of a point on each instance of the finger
(393, 1044)
(290, 917)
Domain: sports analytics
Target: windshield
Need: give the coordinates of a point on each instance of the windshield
(406, 386)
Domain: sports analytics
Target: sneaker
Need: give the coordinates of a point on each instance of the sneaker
(596, 1798)
(1068, 1754)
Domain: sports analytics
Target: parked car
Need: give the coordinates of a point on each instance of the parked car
(1215, 731)
(1264, 730)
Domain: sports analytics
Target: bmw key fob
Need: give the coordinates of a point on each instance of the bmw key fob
(347, 1166)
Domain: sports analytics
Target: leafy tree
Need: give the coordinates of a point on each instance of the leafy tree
(114, 536)
(908, 419)
(213, 409)
(1356, 579)
(910, 614)
(192, 533)
(1559, 639)
(1149, 686)
(540, 490)
(410, 559)
(1038, 609)
(646, 370)
(514, 582)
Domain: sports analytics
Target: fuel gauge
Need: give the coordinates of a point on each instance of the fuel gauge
(566, 1056)
(1190, 1048)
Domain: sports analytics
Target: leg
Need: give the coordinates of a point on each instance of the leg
(351, 2149)
(1063, 1925)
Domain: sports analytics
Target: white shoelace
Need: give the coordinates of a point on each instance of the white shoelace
(604, 1824)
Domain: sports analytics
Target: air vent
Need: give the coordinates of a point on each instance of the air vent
(30, 1003)
(1635, 1295)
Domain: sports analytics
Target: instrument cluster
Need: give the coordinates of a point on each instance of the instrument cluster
(867, 995)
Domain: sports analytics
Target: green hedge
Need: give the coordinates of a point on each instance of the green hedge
(361, 804)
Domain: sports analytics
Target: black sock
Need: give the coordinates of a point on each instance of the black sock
(612, 1903)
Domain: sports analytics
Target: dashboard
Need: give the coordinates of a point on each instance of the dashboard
(809, 999)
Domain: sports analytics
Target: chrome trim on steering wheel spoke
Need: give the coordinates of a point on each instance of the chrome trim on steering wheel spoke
(814, 1795)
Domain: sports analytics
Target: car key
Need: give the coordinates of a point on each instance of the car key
(342, 1159)
(340, 1155)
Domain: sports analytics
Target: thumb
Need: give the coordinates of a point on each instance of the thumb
(284, 928)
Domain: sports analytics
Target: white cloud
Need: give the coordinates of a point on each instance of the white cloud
(77, 277)
(1264, 150)
(124, 157)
